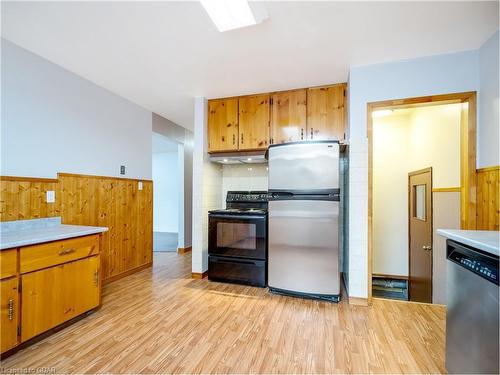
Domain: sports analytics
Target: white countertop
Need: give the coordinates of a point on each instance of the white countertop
(486, 240)
(42, 231)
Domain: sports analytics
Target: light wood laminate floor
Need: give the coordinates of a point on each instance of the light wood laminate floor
(161, 321)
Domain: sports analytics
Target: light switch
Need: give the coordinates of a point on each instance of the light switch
(51, 196)
(139, 185)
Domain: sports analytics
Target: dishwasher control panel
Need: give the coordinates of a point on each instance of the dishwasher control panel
(481, 264)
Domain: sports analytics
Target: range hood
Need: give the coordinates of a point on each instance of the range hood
(250, 157)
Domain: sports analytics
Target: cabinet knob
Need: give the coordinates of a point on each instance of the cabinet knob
(234, 139)
(312, 133)
(241, 138)
(302, 133)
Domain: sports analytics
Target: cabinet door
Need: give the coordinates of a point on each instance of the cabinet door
(10, 313)
(254, 122)
(223, 125)
(57, 294)
(326, 112)
(289, 116)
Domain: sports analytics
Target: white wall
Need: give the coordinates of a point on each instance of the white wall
(55, 121)
(166, 192)
(410, 78)
(488, 136)
(407, 141)
(243, 177)
(184, 138)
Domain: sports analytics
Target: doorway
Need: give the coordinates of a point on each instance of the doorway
(450, 193)
(166, 185)
(420, 235)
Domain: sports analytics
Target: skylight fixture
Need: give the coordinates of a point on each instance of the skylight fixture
(382, 113)
(232, 14)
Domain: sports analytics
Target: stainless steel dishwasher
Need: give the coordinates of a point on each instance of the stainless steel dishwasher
(472, 311)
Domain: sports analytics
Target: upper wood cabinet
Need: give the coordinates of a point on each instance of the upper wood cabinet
(254, 122)
(223, 125)
(288, 116)
(326, 112)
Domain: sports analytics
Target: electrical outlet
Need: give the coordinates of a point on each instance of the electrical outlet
(51, 196)
(122, 169)
(139, 185)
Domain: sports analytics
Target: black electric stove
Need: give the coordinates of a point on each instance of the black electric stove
(237, 239)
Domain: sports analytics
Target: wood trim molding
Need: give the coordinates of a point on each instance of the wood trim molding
(358, 301)
(468, 175)
(184, 250)
(489, 169)
(28, 179)
(199, 276)
(397, 277)
(63, 174)
(126, 273)
(446, 189)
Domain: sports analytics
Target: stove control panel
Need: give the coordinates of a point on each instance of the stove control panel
(246, 196)
(482, 265)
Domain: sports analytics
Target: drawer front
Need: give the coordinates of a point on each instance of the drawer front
(8, 263)
(239, 271)
(36, 257)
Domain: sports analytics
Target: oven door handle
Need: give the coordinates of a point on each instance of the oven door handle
(236, 260)
(237, 217)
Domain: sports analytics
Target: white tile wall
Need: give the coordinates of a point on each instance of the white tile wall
(243, 177)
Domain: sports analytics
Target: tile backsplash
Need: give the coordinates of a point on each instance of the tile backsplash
(243, 177)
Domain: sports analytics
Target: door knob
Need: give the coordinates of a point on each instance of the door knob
(429, 248)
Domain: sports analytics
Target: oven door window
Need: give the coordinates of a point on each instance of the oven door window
(237, 235)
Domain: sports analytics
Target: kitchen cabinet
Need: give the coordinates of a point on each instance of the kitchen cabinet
(253, 122)
(47, 284)
(10, 313)
(288, 116)
(57, 294)
(326, 112)
(223, 125)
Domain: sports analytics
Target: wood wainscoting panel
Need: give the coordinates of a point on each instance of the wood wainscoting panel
(488, 202)
(118, 204)
(23, 198)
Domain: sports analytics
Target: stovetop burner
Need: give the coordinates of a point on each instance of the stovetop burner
(244, 203)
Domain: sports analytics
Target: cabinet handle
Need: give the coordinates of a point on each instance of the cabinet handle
(241, 138)
(234, 139)
(96, 277)
(312, 133)
(10, 308)
(66, 251)
(302, 133)
(271, 141)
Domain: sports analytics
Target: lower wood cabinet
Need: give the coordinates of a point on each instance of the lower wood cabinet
(10, 313)
(45, 285)
(57, 294)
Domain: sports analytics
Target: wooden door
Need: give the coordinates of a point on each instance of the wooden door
(253, 122)
(10, 313)
(326, 112)
(420, 235)
(223, 125)
(288, 116)
(57, 294)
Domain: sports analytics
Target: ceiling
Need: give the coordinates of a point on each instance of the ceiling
(161, 55)
(161, 143)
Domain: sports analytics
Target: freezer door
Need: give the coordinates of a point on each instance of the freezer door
(304, 166)
(303, 246)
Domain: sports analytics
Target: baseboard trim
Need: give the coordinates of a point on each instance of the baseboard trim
(358, 301)
(184, 250)
(126, 273)
(197, 275)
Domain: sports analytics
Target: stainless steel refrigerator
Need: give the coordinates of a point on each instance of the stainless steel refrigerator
(304, 198)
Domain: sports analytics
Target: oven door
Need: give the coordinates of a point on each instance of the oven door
(242, 236)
